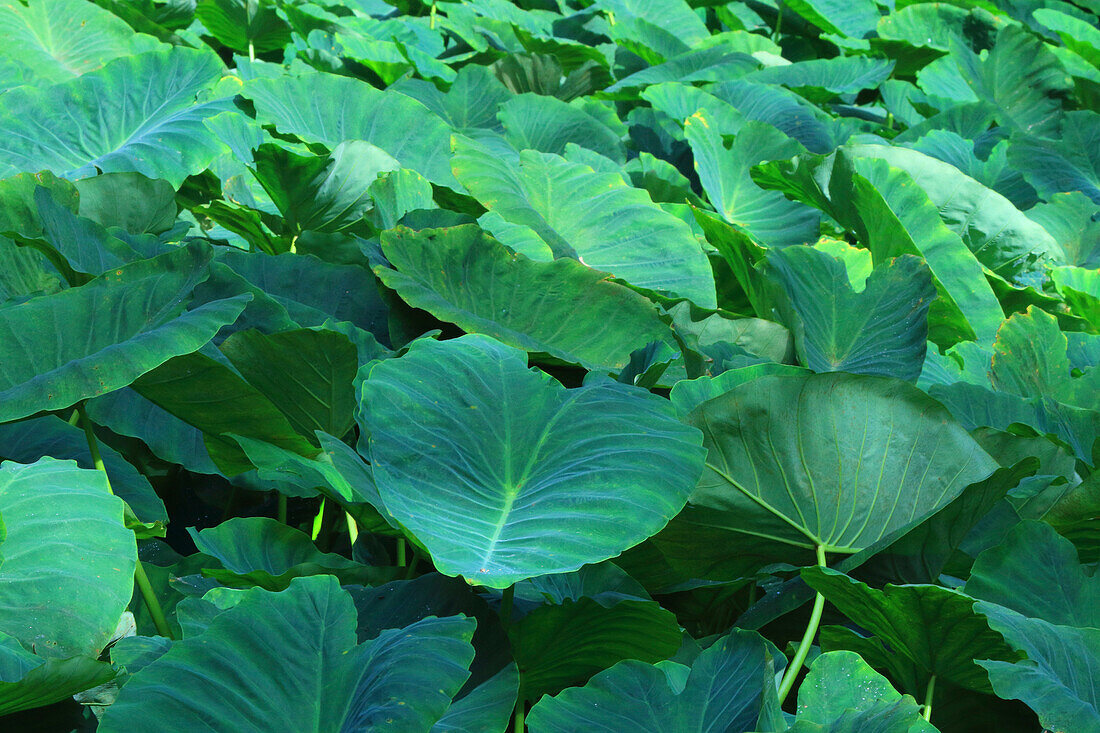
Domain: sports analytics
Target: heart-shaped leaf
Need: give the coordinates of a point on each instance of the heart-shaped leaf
(505, 475)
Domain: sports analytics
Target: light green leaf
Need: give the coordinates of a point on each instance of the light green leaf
(593, 217)
(833, 460)
(137, 113)
(881, 330)
(330, 109)
(68, 560)
(63, 348)
(514, 476)
(560, 308)
(282, 648)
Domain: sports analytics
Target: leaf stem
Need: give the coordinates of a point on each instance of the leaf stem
(142, 580)
(518, 725)
(280, 512)
(151, 602)
(400, 552)
(506, 601)
(928, 698)
(251, 51)
(807, 638)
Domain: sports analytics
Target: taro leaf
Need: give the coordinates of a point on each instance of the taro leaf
(25, 272)
(1068, 218)
(259, 551)
(725, 689)
(842, 689)
(495, 468)
(605, 582)
(50, 41)
(1020, 77)
(1031, 562)
(1029, 360)
(537, 122)
(850, 19)
(558, 646)
(724, 174)
(127, 413)
(330, 109)
(922, 554)
(87, 341)
(81, 244)
(211, 397)
(822, 79)
(936, 629)
(560, 308)
(68, 560)
(312, 291)
(28, 681)
(397, 604)
(894, 216)
(1080, 287)
(1070, 162)
(833, 460)
(593, 217)
(486, 708)
(137, 113)
(128, 200)
(687, 394)
(282, 648)
(398, 193)
(28, 440)
(247, 26)
(1001, 237)
(976, 407)
(324, 193)
(470, 104)
(305, 373)
(881, 330)
(1058, 680)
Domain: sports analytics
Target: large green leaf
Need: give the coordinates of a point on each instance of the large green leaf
(54, 40)
(933, 628)
(881, 330)
(28, 681)
(1069, 162)
(1023, 571)
(137, 113)
(504, 475)
(593, 217)
(841, 691)
(251, 26)
(537, 122)
(330, 109)
(324, 193)
(1001, 237)
(893, 216)
(94, 339)
(1058, 680)
(289, 661)
(853, 19)
(833, 460)
(560, 308)
(724, 174)
(725, 689)
(213, 398)
(68, 560)
(305, 373)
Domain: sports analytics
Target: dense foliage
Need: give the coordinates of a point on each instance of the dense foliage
(583, 365)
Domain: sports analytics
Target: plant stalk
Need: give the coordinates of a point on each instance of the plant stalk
(142, 580)
(400, 552)
(280, 512)
(507, 599)
(803, 649)
(928, 698)
(518, 724)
